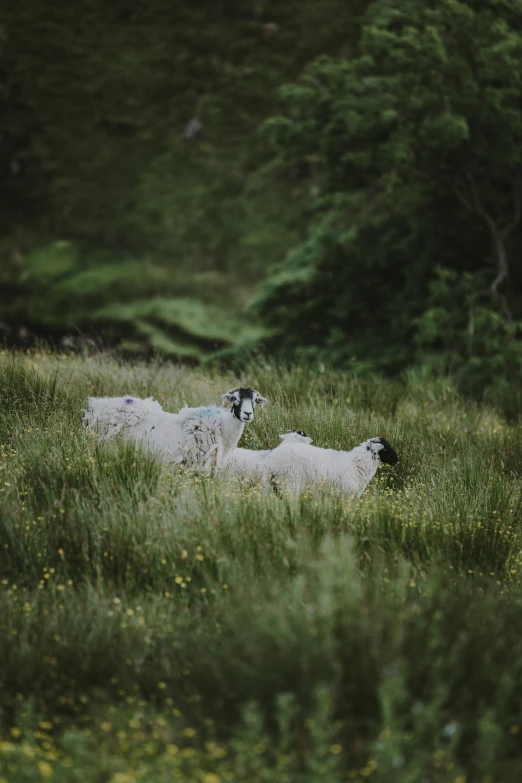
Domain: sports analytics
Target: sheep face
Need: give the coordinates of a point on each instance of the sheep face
(243, 402)
(382, 451)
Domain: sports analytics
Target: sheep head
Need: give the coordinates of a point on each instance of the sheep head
(381, 449)
(243, 402)
(296, 436)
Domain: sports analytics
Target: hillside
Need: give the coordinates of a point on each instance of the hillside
(135, 200)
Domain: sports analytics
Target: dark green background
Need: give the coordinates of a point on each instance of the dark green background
(352, 196)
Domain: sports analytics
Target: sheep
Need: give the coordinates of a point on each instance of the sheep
(298, 465)
(250, 465)
(201, 438)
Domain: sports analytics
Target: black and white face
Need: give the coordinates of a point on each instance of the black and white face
(382, 451)
(243, 402)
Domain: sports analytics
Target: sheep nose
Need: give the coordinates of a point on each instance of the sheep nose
(247, 415)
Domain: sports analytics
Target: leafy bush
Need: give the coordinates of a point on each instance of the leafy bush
(65, 289)
(414, 152)
(469, 337)
(96, 152)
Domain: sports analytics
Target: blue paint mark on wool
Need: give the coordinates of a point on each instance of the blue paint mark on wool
(208, 411)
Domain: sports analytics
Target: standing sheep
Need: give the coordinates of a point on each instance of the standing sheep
(200, 438)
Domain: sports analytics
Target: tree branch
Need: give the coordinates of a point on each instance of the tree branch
(448, 184)
(479, 208)
(502, 264)
(458, 193)
(506, 231)
(498, 243)
(475, 205)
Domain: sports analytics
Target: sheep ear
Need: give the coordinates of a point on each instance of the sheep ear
(227, 397)
(261, 401)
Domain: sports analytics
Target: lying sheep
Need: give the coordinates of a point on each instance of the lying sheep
(201, 438)
(251, 465)
(298, 465)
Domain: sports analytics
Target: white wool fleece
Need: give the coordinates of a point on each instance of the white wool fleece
(297, 466)
(200, 438)
(251, 465)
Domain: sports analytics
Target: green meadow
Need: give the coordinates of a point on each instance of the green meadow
(159, 626)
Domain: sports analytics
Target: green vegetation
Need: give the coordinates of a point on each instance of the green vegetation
(337, 182)
(341, 181)
(414, 149)
(156, 626)
(95, 158)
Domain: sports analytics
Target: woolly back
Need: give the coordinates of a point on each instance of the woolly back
(202, 412)
(107, 415)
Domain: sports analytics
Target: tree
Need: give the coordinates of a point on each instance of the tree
(414, 151)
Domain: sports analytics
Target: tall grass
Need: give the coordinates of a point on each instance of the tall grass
(158, 626)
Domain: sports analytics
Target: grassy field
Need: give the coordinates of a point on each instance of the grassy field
(159, 627)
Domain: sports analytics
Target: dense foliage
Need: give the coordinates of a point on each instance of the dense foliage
(129, 132)
(379, 210)
(414, 149)
(155, 627)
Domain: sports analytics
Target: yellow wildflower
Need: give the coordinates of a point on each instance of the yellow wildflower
(189, 732)
(123, 777)
(45, 769)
